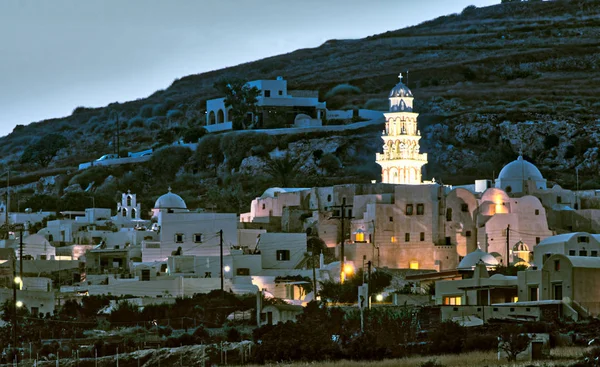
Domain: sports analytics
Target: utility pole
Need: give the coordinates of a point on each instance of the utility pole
(14, 303)
(314, 273)
(369, 283)
(342, 218)
(21, 252)
(507, 245)
(118, 135)
(7, 201)
(221, 254)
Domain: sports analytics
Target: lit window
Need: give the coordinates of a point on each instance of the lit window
(360, 237)
(414, 265)
(420, 209)
(409, 209)
(453, 301)
(242, 271)
(197, 237)
(179, 237)
(393, 239)
(515, 299)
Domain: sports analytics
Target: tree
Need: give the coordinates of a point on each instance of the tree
(241, 98)
(513, 340)
(283, 169)
(44, 150)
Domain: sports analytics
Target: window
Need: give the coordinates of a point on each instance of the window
(448, 241)
(145, 275)
(556, 265)
(329, 198)
(594, 253)
(584, 239)
(407, 237)
(558, 200)
(537, 212)
(414, 265)
(280, 92)
(349, 213)
(537, 240)
(360, 237)
(242, 271)
(208, 274)
(571, 252)
(393, 239)
(267, 93)
(264, 206)
(420, 209)
(409, 209)
(582, 253)
(448, 214)
(337, 213)
(422, 236)
(464, 208)
(468, 233)
(453, 301)
(197, 237)
(533, 293)
(391, 219)
(179, 237)
(283, 255)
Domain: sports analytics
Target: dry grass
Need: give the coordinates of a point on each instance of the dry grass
(562, 356)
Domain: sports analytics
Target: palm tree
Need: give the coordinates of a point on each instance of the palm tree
(283, 169)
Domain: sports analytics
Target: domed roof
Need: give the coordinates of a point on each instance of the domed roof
(400, 90)
(520, 246)
(472, 259)
(520, 170)
(170, 201)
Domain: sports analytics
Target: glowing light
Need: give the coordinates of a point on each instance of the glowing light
(227, 268)
(18, 280)
(379, 298)
(19, 304)
(348, 269)
(414, 265)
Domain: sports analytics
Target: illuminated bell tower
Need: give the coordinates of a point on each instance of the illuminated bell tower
(401, 161)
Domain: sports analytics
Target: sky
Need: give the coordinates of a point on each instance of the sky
(56, 55)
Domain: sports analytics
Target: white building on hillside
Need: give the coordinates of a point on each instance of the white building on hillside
(274, 95)
(187, 233)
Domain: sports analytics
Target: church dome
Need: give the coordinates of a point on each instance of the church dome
(400, 90)
(170, 201)
(520, 170)
(472, 259)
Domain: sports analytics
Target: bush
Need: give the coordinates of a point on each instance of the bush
(201, 335)
(233, 335)
(479, 342)
(193, 134)
(174, 114)
(159, 110)
(136, 121)
(431, 363)
(343, 89)
(146, 111)
(551, 141)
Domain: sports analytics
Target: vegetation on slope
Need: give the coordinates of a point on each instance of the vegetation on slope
(517, 62)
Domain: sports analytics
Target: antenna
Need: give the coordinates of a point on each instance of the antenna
(407, 77)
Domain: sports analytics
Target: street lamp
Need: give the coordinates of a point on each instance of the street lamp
(227, 268)
(379, 297)
(19, 304)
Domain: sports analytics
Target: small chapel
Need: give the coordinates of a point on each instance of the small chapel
(401, 162)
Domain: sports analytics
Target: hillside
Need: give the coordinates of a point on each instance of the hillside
(487, 82)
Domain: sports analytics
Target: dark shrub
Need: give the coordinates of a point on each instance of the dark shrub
(233, 335)
(146, 111)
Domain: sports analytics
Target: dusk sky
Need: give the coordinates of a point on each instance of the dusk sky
(59, 54)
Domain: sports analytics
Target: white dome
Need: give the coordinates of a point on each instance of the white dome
(170, 201)
(472, 259)
(520, 170)
(400, 90)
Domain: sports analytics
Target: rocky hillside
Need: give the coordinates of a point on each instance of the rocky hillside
(487, 82)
